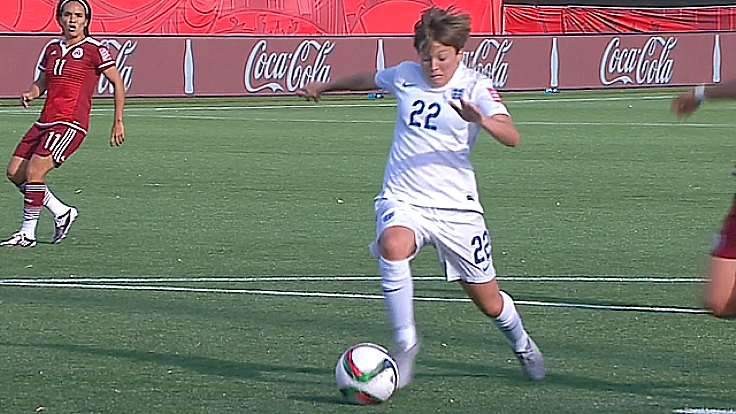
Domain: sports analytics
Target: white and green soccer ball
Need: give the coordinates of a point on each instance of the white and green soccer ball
(366, 374)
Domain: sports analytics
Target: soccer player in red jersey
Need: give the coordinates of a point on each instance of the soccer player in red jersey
(70, 70)
(720, 291)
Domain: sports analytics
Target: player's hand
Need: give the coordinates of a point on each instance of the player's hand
(311, 92)
(684, 104)
(26, 99)
(117, 135)
(468, 111)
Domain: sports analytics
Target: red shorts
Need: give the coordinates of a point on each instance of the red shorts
(58, 140)
(725, 243)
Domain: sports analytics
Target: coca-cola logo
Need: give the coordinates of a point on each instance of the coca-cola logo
(650, 64)
(279, 71)
(124, 50)
(488, 59)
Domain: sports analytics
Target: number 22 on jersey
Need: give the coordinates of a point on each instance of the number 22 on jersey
(419, 119)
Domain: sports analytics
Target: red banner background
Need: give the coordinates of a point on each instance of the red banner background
(246, 17)
(570, 19)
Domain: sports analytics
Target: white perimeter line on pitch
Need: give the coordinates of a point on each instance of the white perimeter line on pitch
(657, 309)
(158, 279)
(378, 121)
(23, 111)
(703, 411)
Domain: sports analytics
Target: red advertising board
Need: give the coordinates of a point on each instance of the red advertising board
(242, 66)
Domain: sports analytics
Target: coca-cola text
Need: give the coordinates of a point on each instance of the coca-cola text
(640, 66)
(287, 71)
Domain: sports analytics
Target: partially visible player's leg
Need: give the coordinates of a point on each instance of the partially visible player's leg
(720, 291)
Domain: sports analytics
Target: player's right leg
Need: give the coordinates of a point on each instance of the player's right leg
(396, 246)
(33, 196)
(16, 173)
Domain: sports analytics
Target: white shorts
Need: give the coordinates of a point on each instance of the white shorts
(461, 237)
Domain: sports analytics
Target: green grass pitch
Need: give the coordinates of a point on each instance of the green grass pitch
(220, 264)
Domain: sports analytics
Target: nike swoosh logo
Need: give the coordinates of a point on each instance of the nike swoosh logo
(408, 84)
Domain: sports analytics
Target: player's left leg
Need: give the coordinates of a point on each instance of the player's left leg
(464, 246)
(499, 306)
(720, 291)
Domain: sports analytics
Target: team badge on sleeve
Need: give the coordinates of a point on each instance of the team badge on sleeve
(496, 97)
(105, 54)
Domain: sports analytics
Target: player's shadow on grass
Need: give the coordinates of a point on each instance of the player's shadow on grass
(664, 388)
(324, 399)
(202, 365)
(574, 301)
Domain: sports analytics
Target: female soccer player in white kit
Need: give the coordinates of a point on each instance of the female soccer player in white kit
(429, 193)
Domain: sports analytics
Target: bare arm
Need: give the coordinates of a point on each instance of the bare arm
(687, 102)
(501, 127)
(358, 82)
(726, 90)
(37, 89)
(117, 134)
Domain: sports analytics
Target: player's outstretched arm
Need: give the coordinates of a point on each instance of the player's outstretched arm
(500, 127)
(117, 134)
(686, 103)
(357, 82)
(37, 89)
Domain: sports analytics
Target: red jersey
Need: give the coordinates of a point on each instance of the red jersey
(72, 73)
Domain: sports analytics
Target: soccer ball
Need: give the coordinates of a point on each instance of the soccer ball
(366, 374)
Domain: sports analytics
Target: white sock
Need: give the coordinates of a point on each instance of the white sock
(52, 203)
(509, 322)
(29, 225)
(398, 297)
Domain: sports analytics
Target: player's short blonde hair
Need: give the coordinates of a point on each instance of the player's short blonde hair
(445, 26)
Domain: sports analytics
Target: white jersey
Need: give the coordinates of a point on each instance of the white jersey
(429, 162)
